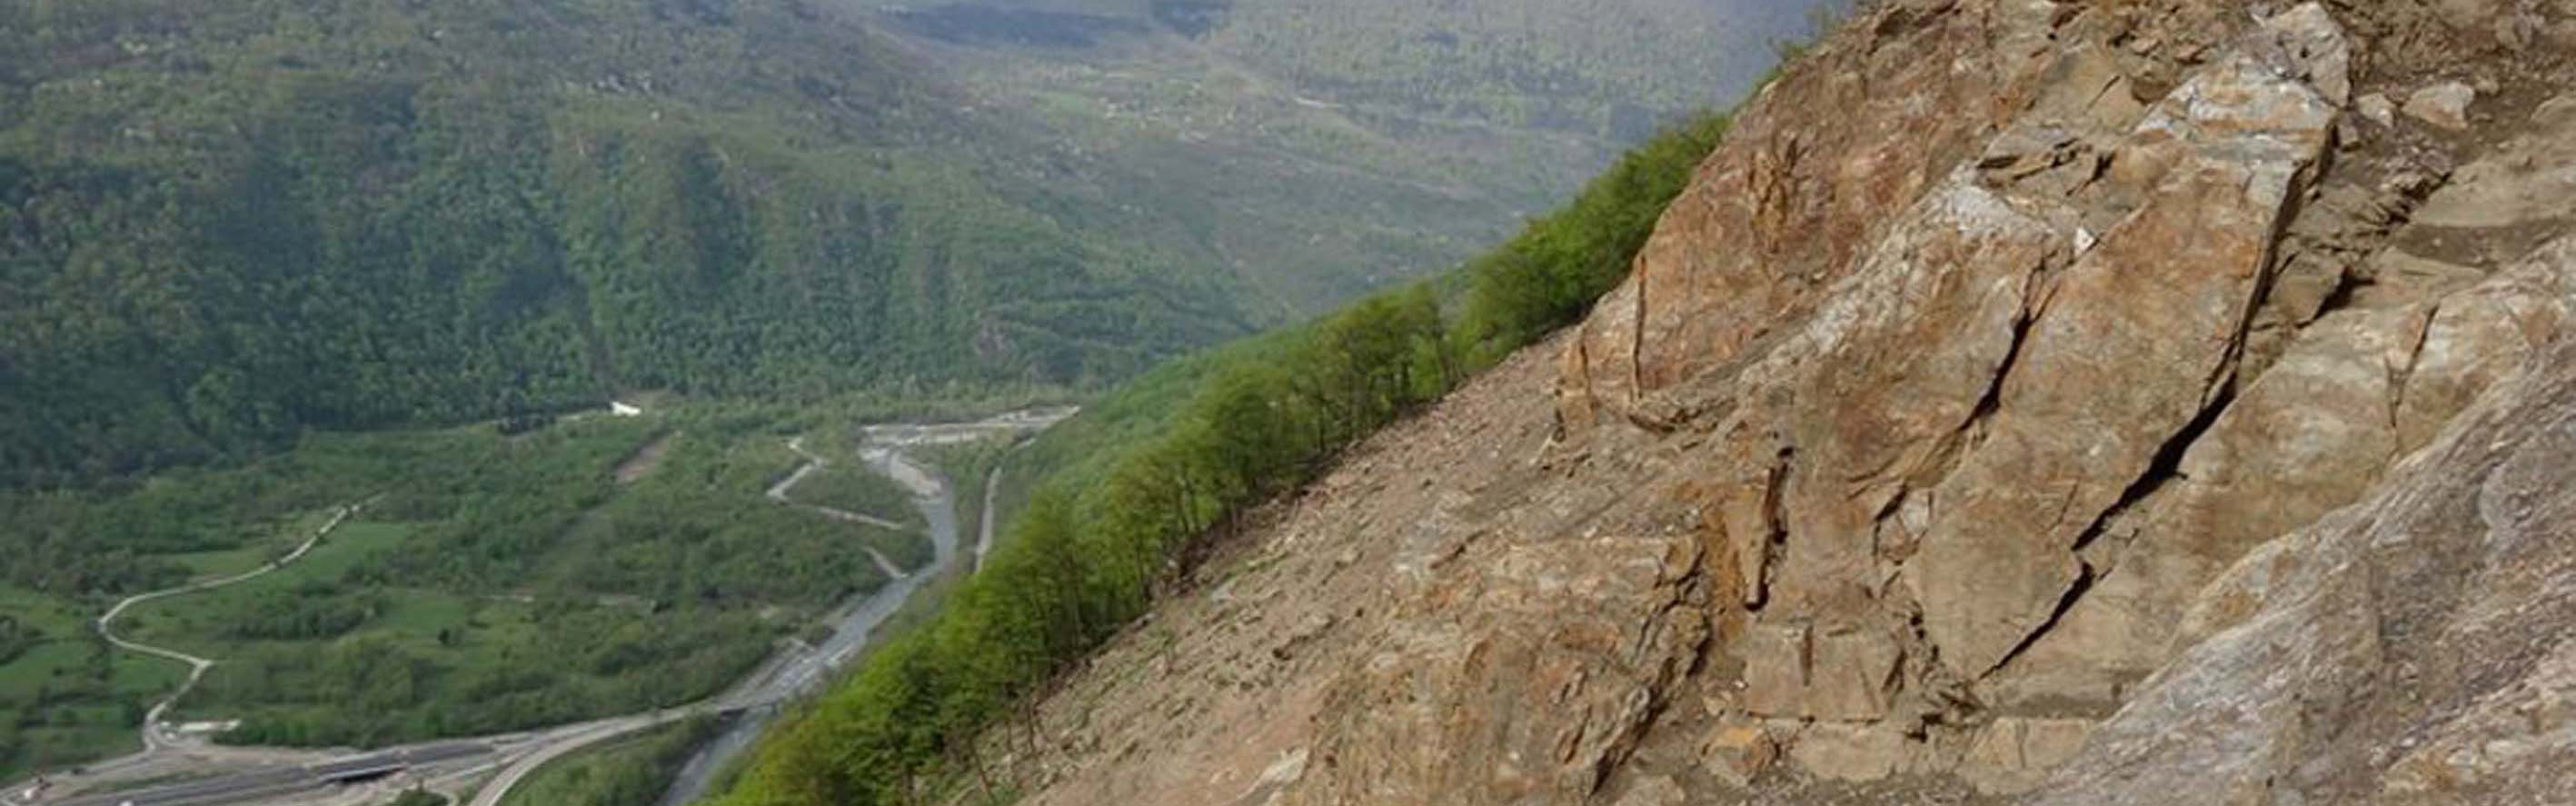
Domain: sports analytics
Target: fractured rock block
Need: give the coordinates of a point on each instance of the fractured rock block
(1851, 676)
(1775, 669)
(2014, 754)
(2125, 354)
(1738, 750)
(1854, 753)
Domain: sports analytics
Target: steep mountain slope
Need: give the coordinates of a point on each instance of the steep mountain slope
(1322, 147)
(221, 222)
(2142, 402)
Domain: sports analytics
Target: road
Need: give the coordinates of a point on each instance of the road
(884, 449)
(510, 776)
(285, 781)
(155, 734)
(792, 674)
(779, 493)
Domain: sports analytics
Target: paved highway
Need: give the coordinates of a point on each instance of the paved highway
(793, 674)
(286, 781)
(510, 776)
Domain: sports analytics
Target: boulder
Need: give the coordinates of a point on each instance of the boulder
(2377, 109)
(2529, 179)
(1660, 790)
(2445, 105)
(1738, 750)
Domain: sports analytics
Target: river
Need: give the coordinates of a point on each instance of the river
(802, 672)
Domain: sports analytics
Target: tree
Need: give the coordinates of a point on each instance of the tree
(1254, 425)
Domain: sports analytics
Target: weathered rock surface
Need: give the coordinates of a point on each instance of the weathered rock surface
(2136, 340)
(1562, 651)
(2530, 179)
(2410, 649)
(2031, 402)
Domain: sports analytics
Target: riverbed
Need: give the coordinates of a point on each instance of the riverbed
(804, 671)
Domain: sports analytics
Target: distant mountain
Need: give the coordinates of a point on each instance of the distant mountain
(1323, 147)
(225, 221)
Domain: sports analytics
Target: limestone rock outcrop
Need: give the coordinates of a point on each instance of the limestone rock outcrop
(2413, 648)
(2030, 402)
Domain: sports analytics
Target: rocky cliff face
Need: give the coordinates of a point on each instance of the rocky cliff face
(2120, 402)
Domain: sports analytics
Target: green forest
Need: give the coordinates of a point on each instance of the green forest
(224, 223)
(1136, 478)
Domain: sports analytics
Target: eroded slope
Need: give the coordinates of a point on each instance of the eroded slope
(2132, 402)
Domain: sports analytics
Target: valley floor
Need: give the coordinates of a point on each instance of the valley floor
(360, 591)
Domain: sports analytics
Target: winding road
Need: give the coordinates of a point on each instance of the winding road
(779, 492)
(511, 758)
(155, 735)
(886, 449)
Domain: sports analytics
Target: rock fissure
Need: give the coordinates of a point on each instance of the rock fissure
(1992, 398)
(2401, 375)
(2164, 468)
(2084, 578)
(1775, 537)
(1636, 363)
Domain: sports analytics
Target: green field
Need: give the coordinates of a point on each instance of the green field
(70, 696)
(492, 582)
(848, 485)
(255, 551)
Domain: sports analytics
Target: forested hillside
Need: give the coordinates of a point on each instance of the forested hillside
(1611, 69)
(1323, 149)
(225, 221)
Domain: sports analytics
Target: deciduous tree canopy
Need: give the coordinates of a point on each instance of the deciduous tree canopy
(222, 222)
